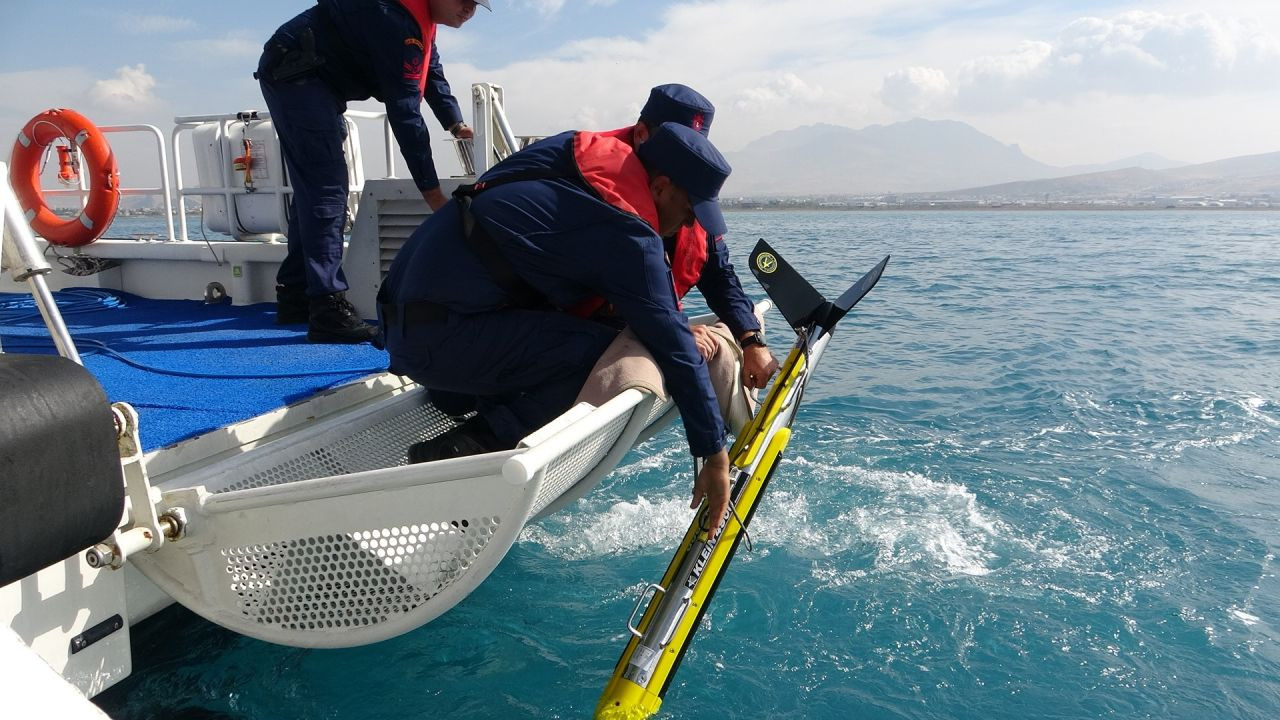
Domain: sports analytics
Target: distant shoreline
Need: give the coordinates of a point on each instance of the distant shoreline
(914, 207)
(1074, 207)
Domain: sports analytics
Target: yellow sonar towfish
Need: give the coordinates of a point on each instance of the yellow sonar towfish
(675, 605)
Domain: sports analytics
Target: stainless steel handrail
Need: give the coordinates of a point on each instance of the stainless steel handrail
(30, 266)
(163, 191)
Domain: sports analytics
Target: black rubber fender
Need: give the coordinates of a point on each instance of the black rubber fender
(61, 487)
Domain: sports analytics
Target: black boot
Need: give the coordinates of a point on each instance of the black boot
(292, 305)
(470, 438)
(334, 320)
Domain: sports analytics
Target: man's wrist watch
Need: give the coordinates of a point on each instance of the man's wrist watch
(457, 126)
(754, 338)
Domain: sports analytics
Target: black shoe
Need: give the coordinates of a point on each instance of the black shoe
(293, 307)
(471, 438)
(334, 320)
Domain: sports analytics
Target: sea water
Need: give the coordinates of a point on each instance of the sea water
(1037, 474)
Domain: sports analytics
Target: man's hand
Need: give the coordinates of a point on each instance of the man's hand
(713, 484)
(462, 131)
(435, 198)
(758, 365)
(706, 341)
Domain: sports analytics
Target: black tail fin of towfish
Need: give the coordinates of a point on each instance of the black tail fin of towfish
(796, 299)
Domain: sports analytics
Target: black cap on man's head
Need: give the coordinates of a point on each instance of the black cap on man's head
(678, 104)
(694, 165)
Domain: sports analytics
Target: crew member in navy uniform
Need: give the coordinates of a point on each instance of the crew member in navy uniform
(330, 54)
(696, 258)
(479, 299)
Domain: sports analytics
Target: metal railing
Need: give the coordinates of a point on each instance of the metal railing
(229, 189)
(25, 263)
(163, 191)
(494, 140)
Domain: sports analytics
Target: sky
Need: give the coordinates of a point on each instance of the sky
(1069, 82)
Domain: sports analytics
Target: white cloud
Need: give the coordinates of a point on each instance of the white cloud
(130, 89)
(804, 70)
(23, 94)
(1025, 73)
(1137, 53)
(551, 7)
(879, 61)
(786, 89)
(546, 7)
(916, 90)
(240, 47)
(24, 90)
(153, 24)
(1008, 79)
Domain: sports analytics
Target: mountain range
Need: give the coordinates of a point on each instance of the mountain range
(952, 159)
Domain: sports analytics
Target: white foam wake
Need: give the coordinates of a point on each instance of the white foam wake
(908, 522)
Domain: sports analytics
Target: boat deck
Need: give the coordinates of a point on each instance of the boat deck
(187, 367)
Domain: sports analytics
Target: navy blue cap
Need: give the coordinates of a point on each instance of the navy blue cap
(678, 104)
(694, 165)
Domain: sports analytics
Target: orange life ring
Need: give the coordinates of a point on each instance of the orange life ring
(104, 177)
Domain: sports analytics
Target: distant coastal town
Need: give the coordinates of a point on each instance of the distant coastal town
(916, 202)
(897, 202)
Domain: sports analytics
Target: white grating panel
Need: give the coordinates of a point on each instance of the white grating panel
(352, 580)
(330, 541)
(577, 461)
(659, 406)
(381, 445)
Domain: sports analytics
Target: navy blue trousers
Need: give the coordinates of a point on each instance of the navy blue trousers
(525, 366)
(308, 119)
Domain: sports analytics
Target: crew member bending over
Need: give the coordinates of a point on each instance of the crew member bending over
(477, 300)
(695, 259)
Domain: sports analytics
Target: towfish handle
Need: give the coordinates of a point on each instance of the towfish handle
(676, 605)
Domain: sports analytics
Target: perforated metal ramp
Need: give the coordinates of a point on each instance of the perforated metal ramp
(326, 538)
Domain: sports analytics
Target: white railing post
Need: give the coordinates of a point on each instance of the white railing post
(482, 112)
(28, 264)
(495, 140)
(178, 127)
(163, 191)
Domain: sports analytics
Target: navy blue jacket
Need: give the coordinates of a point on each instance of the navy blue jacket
(560, 238)
(723, 292)
(363, 43)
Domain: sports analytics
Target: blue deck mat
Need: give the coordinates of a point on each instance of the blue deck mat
(187, 367)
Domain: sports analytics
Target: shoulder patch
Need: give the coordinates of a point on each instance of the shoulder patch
(413, 69)
(416, 43)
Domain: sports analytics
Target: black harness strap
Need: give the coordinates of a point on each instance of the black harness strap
(486, 249)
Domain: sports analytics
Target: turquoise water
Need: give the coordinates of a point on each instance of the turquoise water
(1036, 475)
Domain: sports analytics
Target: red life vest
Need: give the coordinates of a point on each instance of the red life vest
(608, 163)
(610, 166)
(689, 258)
(421, 12)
